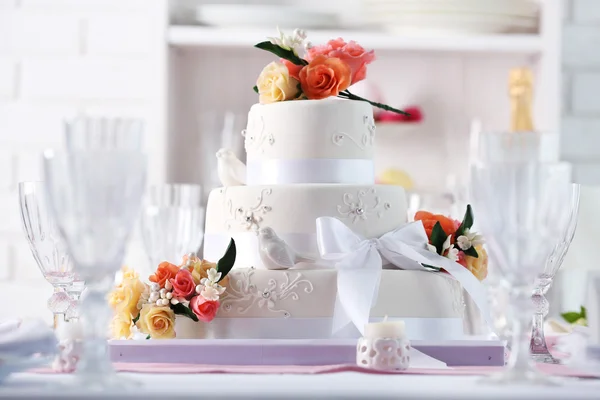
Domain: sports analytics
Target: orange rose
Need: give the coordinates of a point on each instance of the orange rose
(324, 77)
(165, 271)
(294, 70)
(429, 220)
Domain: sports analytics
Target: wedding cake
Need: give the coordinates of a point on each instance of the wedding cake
(305, 160)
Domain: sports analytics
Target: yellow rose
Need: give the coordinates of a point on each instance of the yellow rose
(158, 322)
(129, 274)
(275, 84)
(120, 327)
(478, 266)
(125, 297)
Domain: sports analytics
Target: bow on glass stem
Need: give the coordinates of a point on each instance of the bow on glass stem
(288, 48)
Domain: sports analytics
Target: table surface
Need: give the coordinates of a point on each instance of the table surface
(340, 385)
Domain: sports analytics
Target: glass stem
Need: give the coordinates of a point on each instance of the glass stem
(96, 318)
(538, 340)
(521, 305)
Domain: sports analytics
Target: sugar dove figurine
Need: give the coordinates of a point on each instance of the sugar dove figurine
(275, 253)
(232, 172)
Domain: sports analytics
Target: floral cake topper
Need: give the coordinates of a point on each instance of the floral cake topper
(192, 289)
(313, 72)
(455, 240)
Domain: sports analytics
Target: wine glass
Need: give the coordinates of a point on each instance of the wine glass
(47, 248)
(172, 222)
(104, 133)
(95, 197)
(515, 204)
(565, 231)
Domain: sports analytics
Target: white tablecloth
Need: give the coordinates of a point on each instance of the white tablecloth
(341, 385)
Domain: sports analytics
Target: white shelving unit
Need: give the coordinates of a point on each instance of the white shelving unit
(455, 79)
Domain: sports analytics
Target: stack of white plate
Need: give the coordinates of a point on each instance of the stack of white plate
(454, 16)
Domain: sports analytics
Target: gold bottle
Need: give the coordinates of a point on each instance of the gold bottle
(521, 98)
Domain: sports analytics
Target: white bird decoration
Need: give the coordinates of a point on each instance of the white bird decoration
(275, 253)
(231, 171)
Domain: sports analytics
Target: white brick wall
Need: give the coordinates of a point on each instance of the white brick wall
(58, 58)
(580, 139)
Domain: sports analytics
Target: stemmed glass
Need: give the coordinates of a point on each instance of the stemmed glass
(172, 222)
(565, 234)
(95, 197)
(516, 207)
(47, 248)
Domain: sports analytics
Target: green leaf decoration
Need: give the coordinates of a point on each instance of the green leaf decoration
(431, 267)
(571, 317)
(281, 52)
(136, 319)
(147, 337)
(471, 252)
(226, 262)
(438, 237)
(255, 88)
(583, 312)
(466, 223)
(180, 309)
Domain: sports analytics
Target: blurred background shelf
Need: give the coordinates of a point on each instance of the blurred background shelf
(202, 36)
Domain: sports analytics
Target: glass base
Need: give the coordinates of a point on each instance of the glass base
(512, 376)
(545, 358)
(105, 381)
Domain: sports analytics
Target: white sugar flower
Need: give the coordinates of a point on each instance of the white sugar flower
(452, 253)
(210, 293)
(296, 42)
(446, 244)
(469, 239)
(213, 275)
(431, 248)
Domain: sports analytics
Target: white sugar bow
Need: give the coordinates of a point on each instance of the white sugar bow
(359, 262)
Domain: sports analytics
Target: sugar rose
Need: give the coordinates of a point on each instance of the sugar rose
(275, 84)
(324, 77)
(164, 272)
(351, 53)
(158, 322)
(183, 284)
(125, 297)
(478, 266)
(200, 270)
(120, 327)
(429, 220)
(204, 309)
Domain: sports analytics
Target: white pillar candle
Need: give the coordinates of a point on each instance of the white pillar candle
(385, 329)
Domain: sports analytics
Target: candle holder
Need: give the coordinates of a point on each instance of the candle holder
(383, 354)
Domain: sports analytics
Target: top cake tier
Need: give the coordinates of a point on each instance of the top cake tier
(310, 141)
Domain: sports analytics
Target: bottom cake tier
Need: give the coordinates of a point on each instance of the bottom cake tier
(299, 304)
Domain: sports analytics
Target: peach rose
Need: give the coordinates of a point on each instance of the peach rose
(429, 220)
(351, 53)
(164, 272)
(324, 77)
(478, 266)
(158, 322)
(183, 284)
(120, 327)
(275, 84)
(200, 270)
(204, 309)
(293, 69)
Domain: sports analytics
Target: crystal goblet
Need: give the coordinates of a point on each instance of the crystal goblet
(172, 222)
(565, 227)
(95, 197)
(515, 204)
(104, 133)
(48, 249)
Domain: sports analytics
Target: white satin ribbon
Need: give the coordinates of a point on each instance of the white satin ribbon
(316, 170)
(359, 262)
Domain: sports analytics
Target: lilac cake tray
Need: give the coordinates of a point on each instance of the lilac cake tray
(291, 352)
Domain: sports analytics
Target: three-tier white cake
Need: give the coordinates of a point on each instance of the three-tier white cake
(309, 159)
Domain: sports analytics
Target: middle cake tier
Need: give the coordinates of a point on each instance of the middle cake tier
(238, 212)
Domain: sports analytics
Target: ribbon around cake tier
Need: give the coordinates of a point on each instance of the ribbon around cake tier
(316, 170)
(359, 263)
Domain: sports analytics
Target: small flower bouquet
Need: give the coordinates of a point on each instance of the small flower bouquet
(455, 240)
(191, 289)
(313, 72)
